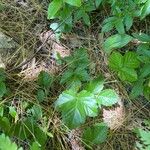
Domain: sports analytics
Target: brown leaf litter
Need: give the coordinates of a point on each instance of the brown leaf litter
(114, 118)
(53, 49)
(74, 139)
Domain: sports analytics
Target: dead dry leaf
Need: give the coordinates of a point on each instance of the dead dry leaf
(49, 63)
(114, 118)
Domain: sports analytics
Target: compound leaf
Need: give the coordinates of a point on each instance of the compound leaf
(124, 65)
(76, 106)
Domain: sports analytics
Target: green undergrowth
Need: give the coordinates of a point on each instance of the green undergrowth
(41, 114)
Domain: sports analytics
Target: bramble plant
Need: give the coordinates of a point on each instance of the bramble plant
(122, 19)
(132, 66)
(27, 121)
(76, 104)
(77, 69)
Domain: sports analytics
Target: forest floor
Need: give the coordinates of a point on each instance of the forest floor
(25, 26)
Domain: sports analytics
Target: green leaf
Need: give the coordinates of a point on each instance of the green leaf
(96, 134)
(35, 146)
(76, 106)
(77, 69)
(90, 6)
(12, 111)
(22, 130)
(109, 19)
(2, 7)
(140, 1)
(98, 2)
(44, 79)
(107, 27)
(4, 124)
(146, 91)
(86, 19)
(81, 74)
(74, 2)
(127, 74)
(137, 89)
(55, 27)
(40, 136)
(78, 60)
(107, 97)
(53, 8)
(67, 75)
(124, 65)
(1, 111)
(142, 37)
(6, 144)
(78, 15)
(145, 71)
(95, 86)
(71, 76)
(143, 50)
(128, 22)
(116, 61)
(36, 112)
(74, 85)
(119, 26)
(144, 137)
(130, 60)
(116, 41)
(2, 75)
(2, 89)
(108, 24)
(41, 95)
(145, 10)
